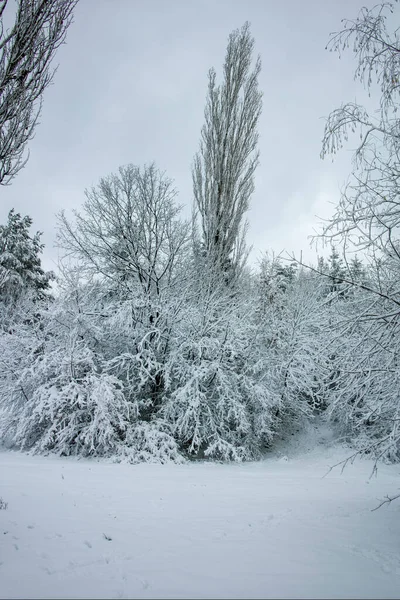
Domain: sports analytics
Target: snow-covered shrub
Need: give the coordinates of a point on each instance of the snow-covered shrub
(292, 316)
(78, 378)
(86, 417)
(54, 393)
(134, 351)
(149, 442)
(22, 338)
(217, 403)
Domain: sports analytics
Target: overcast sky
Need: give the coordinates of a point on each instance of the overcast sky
(131, 88)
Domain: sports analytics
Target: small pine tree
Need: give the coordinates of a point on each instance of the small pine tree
(20, 264)
(357, 270)
(336, 269)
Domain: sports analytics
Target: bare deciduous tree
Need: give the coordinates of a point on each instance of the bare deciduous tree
(129, 230)
(224, 167)
(26, 53)
(368, 215)
(367, 218)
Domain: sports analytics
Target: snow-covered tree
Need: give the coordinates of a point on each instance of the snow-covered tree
(60, 390)
(357, 270)
(367, 219)
(129, 231)
(91, 378)
(27, 49)
(218, 398)
(293, 314)
(275, 277)
(130, 235)
(20, 264)
(223, 170)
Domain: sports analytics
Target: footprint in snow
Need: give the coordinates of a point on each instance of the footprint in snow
(388, 563)
(31, 527)
(88, 544)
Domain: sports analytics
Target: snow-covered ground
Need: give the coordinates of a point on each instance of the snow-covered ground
(276, 528)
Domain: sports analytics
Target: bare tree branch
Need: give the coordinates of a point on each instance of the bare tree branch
(26, 53)
(387, 500)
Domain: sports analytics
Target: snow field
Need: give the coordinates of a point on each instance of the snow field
(270, 529)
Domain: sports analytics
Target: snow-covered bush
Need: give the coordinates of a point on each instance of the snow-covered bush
(78, 377)
(218, 401)
(149, 442)
(54, 393)
(292, 316)
(86, 417)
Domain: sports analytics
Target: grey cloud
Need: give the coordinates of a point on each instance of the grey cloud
(131, 87)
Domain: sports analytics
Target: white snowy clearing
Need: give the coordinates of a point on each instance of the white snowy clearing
(276, 528)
